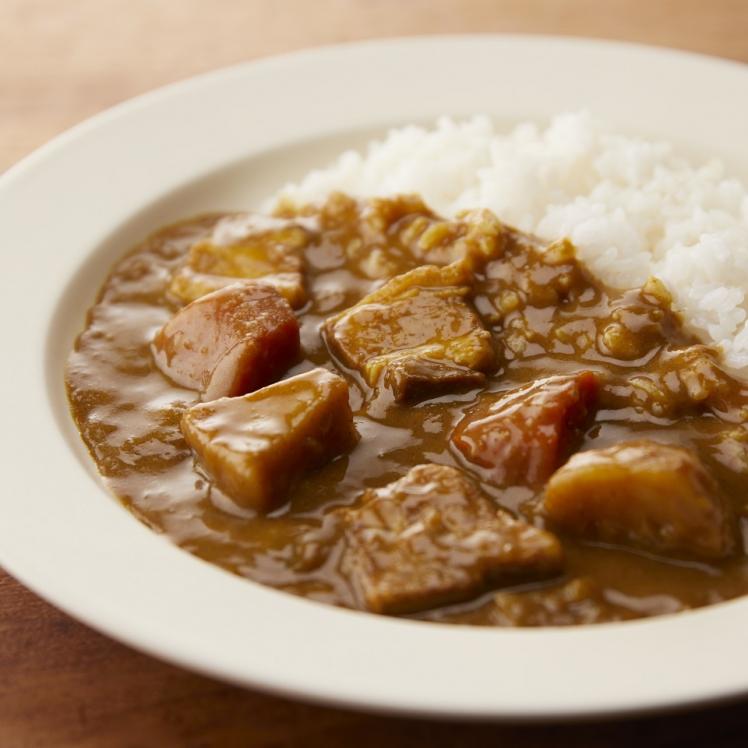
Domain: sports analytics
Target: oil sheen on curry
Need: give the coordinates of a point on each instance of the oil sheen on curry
(370, 406)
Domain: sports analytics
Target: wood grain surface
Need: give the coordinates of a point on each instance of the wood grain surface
(62, 684)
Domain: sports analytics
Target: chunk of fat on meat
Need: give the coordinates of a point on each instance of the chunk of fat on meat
(257, 447)
(653, 496)
(229, 342)
(417, 335)
(433, 538)
(247, 247)
(520, 437)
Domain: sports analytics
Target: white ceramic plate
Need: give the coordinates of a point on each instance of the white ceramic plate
(226, 140)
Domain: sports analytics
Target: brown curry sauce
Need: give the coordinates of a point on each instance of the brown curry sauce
(547, 316)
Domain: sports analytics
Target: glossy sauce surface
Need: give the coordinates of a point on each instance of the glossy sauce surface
(547, 315)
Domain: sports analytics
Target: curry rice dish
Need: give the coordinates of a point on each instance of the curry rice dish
(368, 405)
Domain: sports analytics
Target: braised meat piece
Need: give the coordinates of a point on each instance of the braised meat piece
(416, 378)
(432, 538)
(256, 447)
(229, 342)
(415, 334)
(654, 496)
(250, 247)
(520, 437)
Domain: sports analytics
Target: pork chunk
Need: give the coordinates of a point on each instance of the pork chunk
(416, 334)
(250, 247)
(522, 436)
(229, 342)
(258, 446)
(641, 493)
(432, 538)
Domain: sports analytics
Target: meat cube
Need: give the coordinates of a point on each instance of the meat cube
(432, 538)
(248, 247)
(654, 496)
(229, 342)
(522, 436)
(256, 447)
(415, 334)
(579, 601)
(417, 378)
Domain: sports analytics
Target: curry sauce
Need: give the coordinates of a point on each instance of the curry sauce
(520, 314)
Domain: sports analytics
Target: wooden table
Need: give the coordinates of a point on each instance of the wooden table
(62, 684)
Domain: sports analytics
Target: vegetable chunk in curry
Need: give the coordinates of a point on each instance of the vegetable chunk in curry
(371, 406)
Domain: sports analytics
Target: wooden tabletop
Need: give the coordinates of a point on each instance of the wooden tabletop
(62, 684)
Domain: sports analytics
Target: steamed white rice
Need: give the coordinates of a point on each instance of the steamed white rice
(633, 207)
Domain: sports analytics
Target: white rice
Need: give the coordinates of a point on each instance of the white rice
(633, 207)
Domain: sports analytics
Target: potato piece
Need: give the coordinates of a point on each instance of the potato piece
(258, 446)
(229, 342)
(416, 334)
(432, 538)
(249, 247)
(520, 437)
(654, 496)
